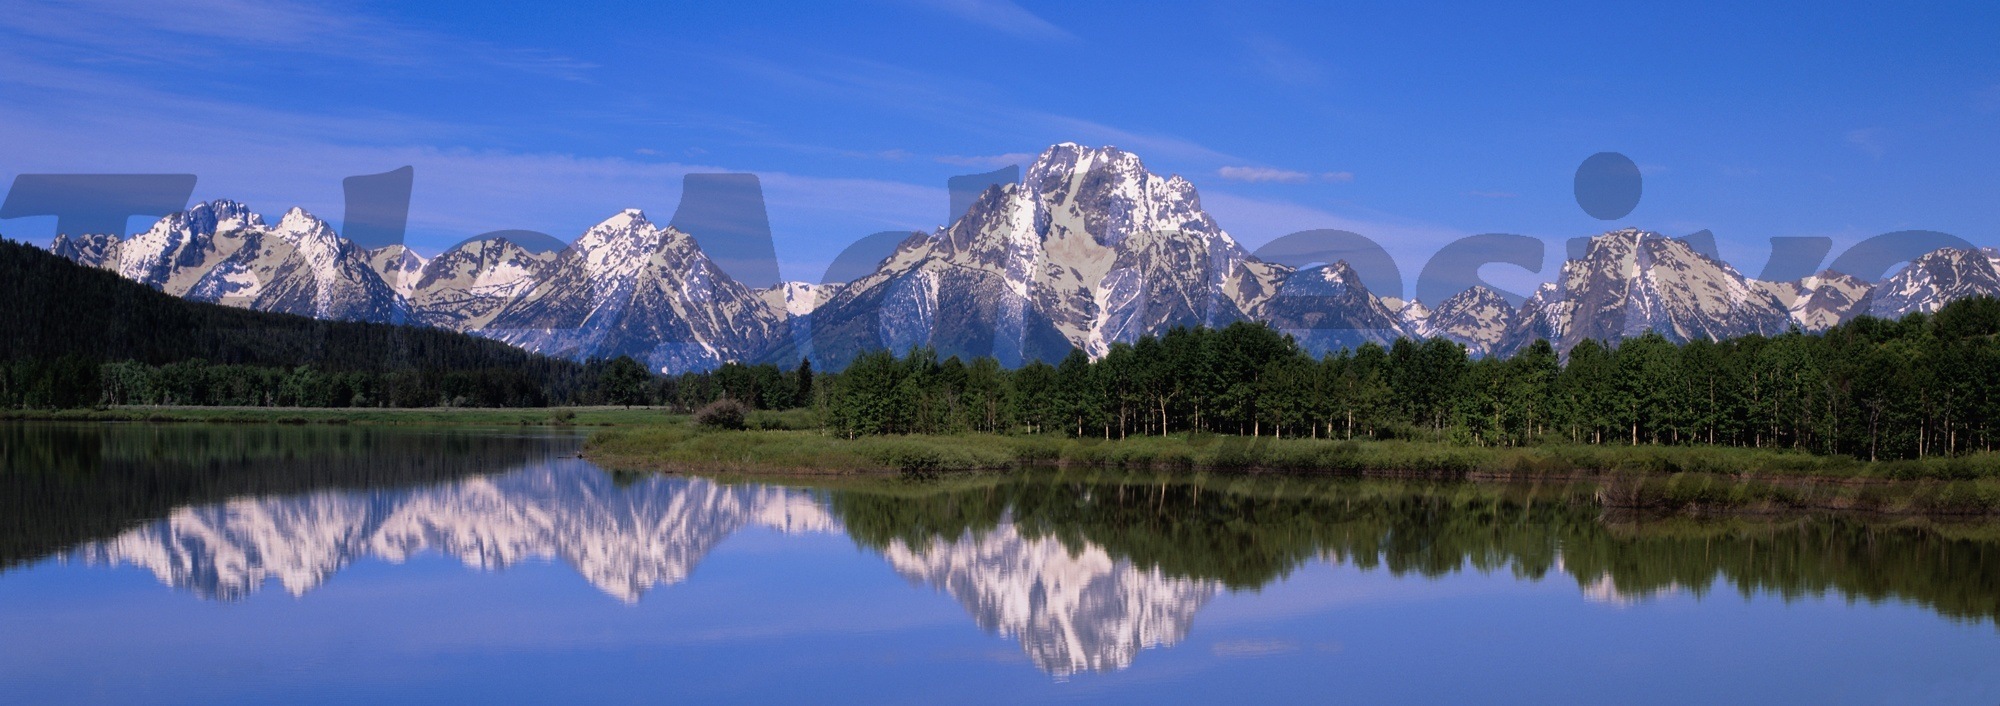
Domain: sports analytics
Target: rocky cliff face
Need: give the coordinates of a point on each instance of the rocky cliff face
(629, 287)
(1090, 249)
(465, 287)
(220, 252)
(1937, 278)
(1630, 282)
(1477, 318)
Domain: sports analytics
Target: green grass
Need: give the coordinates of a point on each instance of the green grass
(435, 416)
(794, 451)
(1668, 477)
(799, 448)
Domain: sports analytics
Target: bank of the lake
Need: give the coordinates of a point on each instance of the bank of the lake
(1692, 478)
(389, 416)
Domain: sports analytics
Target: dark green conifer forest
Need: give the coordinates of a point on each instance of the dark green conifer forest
(1926, 385)
(78, 337)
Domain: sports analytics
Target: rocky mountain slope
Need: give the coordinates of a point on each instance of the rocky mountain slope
(221, 252)
(1089, 249)
(629, 287)
(465, 287)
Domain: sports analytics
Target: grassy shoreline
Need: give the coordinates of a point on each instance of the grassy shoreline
(1649, 477)
(431, 416)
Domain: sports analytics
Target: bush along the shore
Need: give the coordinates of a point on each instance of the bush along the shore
(724, 413)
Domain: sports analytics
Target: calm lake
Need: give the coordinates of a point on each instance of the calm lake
(165, 563)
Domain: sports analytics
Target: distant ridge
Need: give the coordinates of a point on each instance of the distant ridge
(1088, 250)
(56, 308)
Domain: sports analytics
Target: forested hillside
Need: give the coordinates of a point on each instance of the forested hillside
(77, 336)
(1924, 385)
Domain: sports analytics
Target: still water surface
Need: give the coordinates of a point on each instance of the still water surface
(163, 563)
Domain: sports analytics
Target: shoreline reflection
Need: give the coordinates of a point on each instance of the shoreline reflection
(1083, 569)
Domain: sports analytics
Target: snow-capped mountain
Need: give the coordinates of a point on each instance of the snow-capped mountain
(796, 299)
(629, 287)
(221, 252)
(1820, 301)
(1090, 249)
(1935, 279)
(1477, 318)
(1327, 308)
(397, 265)
(795, 302)
(626, 287)
(465, 287)
(1632, 281)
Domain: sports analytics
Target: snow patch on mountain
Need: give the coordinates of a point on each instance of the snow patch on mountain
(1935, 279)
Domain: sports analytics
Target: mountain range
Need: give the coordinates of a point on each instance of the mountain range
(1088, 250)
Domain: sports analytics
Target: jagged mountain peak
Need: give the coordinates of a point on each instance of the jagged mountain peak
(1936, 278)
(1089, 249)
(1478, 318)
(211, 217)
(796, 299)
(1631, 281)
(1327, 307)
(1475, 296)
(1339, 272)
(300, 225)
(630, 287)
(398, 265)
(627, 221)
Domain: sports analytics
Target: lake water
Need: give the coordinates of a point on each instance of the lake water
(163, 563)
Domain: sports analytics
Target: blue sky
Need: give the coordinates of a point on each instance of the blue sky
(1415, 124)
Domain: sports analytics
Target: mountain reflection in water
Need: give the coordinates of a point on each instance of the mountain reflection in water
(1084, 569)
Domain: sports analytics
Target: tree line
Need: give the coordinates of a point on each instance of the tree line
(82, 337)
(79, 336)
(1923, 385)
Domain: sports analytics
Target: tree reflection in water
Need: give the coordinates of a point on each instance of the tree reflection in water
(1084, 569)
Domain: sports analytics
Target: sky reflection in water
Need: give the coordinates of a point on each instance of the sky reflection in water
(1089, 586)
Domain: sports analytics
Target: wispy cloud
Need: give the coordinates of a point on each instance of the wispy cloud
(1282, 176)
(986, 161)
(1867, 140)
(1262, 174)
(1001, 15)
(198, 33)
